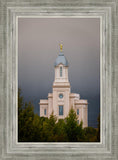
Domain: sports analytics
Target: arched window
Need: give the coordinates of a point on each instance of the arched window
(60, 71)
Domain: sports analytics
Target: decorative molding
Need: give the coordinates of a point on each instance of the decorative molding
(61, 86)
(107, 11)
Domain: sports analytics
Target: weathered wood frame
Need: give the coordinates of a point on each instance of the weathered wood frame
(107, 12)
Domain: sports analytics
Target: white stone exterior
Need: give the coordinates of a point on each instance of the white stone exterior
(69, 100)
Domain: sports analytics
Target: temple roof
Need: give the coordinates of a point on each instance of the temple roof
(61, 59)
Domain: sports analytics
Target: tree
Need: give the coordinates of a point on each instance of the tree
(25, 120)
(90, 134)
(32, 128)
(20, 101)
(49, 129)
(73, 130)
(61, 135)
(98, 132)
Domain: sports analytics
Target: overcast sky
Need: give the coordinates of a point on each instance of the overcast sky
(38, 48)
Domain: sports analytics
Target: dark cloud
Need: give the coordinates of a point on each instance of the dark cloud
(38, 47)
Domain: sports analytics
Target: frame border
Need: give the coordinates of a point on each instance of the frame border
(107, 149)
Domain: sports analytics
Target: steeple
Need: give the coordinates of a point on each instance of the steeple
(61, 59)
(61, 68)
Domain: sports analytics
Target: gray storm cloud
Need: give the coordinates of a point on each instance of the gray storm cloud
(38, 47)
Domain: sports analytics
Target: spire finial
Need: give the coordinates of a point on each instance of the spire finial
(61, 47)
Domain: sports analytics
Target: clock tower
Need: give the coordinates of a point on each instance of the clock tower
(61, 86)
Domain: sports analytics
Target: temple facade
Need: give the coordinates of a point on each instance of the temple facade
(61, 100)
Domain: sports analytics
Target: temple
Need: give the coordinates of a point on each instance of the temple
(61, 100)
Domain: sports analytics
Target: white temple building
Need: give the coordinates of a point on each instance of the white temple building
(61, 100)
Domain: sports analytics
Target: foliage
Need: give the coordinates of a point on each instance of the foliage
(73, 130)
(32, 128)
(90, 134)
(98, 132)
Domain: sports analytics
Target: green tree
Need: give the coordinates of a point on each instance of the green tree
(49, 129)
(61, 135)
(32, 128)
(73, 130)
(26, 117)
(20, 101)
(98, 131)
(25, 126)
(90, 134)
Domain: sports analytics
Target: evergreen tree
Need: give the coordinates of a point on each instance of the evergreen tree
(49, 129)
(32, 128)
(61, 135)
(90, 134)
(73, 130)
(98, 132)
